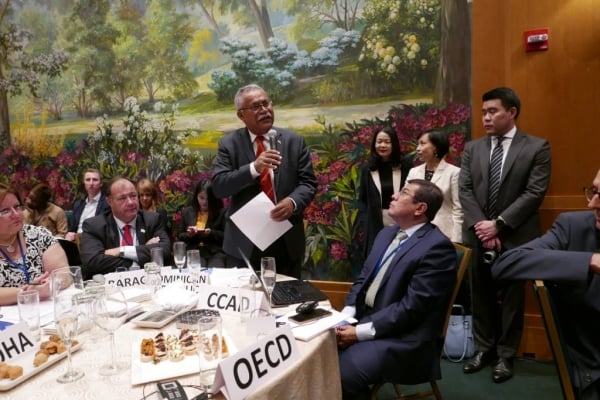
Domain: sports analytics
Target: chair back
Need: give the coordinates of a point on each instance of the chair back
(463, 258)
(555, 338)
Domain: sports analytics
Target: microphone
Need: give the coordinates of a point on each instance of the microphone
(272, 136)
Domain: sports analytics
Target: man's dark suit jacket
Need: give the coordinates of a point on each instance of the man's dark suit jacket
(78, 207)
(562, 258)
(410, 306)
(525, 178)
(101, 233)
(369, 199)
(294, 178)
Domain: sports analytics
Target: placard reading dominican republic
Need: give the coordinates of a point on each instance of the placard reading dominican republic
(256, 365)
(14, 341)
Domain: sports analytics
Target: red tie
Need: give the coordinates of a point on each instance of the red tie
(127, 239)
(265, 176)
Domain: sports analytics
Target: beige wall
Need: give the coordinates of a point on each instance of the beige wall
(560, 94)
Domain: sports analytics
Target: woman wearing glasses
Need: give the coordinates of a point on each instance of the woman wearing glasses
(27, 253)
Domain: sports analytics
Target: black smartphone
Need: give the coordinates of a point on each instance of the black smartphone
(312, 316)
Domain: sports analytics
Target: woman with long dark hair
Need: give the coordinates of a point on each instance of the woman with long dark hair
(202, 224)
(380, 179)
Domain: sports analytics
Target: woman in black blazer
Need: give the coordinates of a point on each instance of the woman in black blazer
(202, 225)
(383, 176)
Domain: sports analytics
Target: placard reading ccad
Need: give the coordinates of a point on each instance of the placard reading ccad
(256, 365)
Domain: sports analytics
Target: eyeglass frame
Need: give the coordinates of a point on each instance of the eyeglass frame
(593, 190)
(18, 209)
(256, 107)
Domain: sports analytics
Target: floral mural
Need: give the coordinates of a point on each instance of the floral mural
(144, 88)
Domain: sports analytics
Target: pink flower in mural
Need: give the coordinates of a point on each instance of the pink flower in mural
(338, 251)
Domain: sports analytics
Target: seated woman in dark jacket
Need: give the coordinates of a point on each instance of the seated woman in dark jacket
(202, 224)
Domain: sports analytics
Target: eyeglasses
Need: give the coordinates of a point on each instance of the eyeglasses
(256, 107)
(590, 192)
(16, 209)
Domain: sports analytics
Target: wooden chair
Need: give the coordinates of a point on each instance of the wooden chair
(555, 338)
(463, 255)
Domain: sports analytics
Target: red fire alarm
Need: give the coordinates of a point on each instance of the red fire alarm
(536, 40)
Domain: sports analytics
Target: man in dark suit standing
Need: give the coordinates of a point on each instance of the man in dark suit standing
(503, 180)
(246, 164)
(400, 298)
(94, 203)
(567, 257)
(124, 236)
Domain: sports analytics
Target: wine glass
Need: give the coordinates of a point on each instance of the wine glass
(110, 312)
(67, 284)
(194, 265)
(179, 254)
(268, 273)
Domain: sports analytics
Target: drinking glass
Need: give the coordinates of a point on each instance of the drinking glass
(156, 254)
(179, 254)
(28, 302)
(153, 277)
(268, 273)
(194, 265)
(210, 336)
(110, 312)
(67, 284)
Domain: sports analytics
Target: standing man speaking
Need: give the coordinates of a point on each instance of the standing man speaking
(246, 164)
(503, 180)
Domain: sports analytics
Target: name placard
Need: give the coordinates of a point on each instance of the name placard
(168, 276)
(231, 300)
(14, 341)
(256, 365)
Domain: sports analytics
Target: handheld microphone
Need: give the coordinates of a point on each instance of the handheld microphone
(272, 136)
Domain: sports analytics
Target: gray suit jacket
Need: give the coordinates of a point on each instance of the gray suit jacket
(524, 181)
(562, 258)
(294, 178)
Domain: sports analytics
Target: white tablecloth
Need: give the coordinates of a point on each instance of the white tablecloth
(314, 376)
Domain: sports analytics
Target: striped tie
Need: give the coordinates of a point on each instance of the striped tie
(382, 267)
(495, 175)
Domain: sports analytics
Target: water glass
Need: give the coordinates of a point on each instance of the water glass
(194, 265)
(157, 256)
(210, 336)
(28, 302)
(153, 278)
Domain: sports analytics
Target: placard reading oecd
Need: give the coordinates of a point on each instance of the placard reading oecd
(256, 365)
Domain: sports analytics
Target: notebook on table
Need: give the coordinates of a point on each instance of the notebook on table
(289, 292)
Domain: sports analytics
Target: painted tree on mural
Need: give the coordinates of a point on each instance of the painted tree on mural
(20, 68)
(454, 71)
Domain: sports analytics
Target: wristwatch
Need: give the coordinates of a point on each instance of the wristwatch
(122, 252)
(499, 223)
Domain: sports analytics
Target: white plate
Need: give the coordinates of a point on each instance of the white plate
(25, 360)
(144, 372)
(157, 319)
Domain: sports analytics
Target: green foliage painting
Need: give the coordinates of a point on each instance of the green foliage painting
(145, 88)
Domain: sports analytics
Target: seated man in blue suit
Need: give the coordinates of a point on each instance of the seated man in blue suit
(124, 236)
(567, 257)
(400, 298)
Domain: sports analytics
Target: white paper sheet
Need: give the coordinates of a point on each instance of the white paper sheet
(254, 221)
